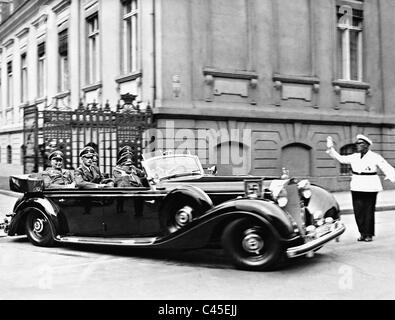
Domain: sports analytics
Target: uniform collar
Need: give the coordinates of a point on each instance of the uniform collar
(366, 154)
(86, 168)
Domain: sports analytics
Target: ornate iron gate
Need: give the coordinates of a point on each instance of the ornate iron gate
(102, 128)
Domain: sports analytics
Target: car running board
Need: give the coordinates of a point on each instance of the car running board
(108, 241)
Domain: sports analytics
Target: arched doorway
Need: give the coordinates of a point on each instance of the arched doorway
(296, 157)
(233, 158)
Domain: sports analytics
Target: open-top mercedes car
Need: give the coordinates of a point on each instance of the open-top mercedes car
(257, 220)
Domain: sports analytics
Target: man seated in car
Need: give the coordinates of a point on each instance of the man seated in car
(125, 173)
(55, 176)
(95, 160)
(88, 175)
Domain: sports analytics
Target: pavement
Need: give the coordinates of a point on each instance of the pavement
(385, 200)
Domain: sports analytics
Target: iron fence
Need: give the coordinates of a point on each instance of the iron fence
(70, 131)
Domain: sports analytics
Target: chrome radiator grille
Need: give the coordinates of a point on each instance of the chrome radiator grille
(294, 207)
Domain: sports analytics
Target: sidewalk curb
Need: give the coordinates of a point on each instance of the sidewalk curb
(378, 208)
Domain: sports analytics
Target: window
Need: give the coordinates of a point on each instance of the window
(232, 158)
(9, 154)
(129, 36)
(93, 60)
(10, 84)
(350, 27)
(63, 81)
(23, 78)
(41, 70)
(345, 169)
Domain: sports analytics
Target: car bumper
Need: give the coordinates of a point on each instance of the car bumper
(3, 229)
(4, 225)
(317, 239)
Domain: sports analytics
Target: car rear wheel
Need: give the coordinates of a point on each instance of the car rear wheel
(251, 245)
(38, 229)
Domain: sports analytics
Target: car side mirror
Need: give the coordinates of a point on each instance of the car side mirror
(212, 170)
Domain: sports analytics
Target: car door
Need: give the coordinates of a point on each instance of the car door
(131, 212)
(80, 211)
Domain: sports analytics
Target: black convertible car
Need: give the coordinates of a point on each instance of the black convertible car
(257, 220)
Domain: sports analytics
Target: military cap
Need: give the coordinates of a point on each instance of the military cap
(125, 158)
(123, 150)
(364, 138)
(56, 154)
(87, 151)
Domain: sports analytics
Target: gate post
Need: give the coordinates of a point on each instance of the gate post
(30, 139)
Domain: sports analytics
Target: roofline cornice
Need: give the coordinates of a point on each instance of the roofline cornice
(28, 10)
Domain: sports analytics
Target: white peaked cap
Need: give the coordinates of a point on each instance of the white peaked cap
(364, 138)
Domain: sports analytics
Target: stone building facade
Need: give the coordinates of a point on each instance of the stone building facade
(250, 85)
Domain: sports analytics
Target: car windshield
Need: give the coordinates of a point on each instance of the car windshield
(172, 166)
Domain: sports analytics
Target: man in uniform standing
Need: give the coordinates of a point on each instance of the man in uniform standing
(55, 176)
(365, 182)
(88, 175)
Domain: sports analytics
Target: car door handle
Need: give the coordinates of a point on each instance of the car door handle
(150, 201)
(62, 200)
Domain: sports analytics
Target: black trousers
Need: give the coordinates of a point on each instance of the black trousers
(364, 204)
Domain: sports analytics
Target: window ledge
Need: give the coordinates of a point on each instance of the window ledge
(351, 84)
(91, 87)
(129, 77)
(62, 95)
(23, 105)
(234, 74)
(296, 79)
(40, 100)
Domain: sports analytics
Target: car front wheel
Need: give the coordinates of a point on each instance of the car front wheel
(251, 245)
(38, 229)
(178, 215)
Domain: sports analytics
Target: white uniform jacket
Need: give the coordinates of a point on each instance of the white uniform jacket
(364, 170)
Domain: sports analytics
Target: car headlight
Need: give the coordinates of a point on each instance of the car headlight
(282, 202)
(282, 198)
(253, 188)
(306, 193)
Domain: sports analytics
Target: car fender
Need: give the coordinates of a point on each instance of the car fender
(209, 227)
(43, 205)
(267, 210)
(203, 201)
(323, 204)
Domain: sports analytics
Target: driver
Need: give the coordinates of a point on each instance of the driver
(125, 173)
(88, 175)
